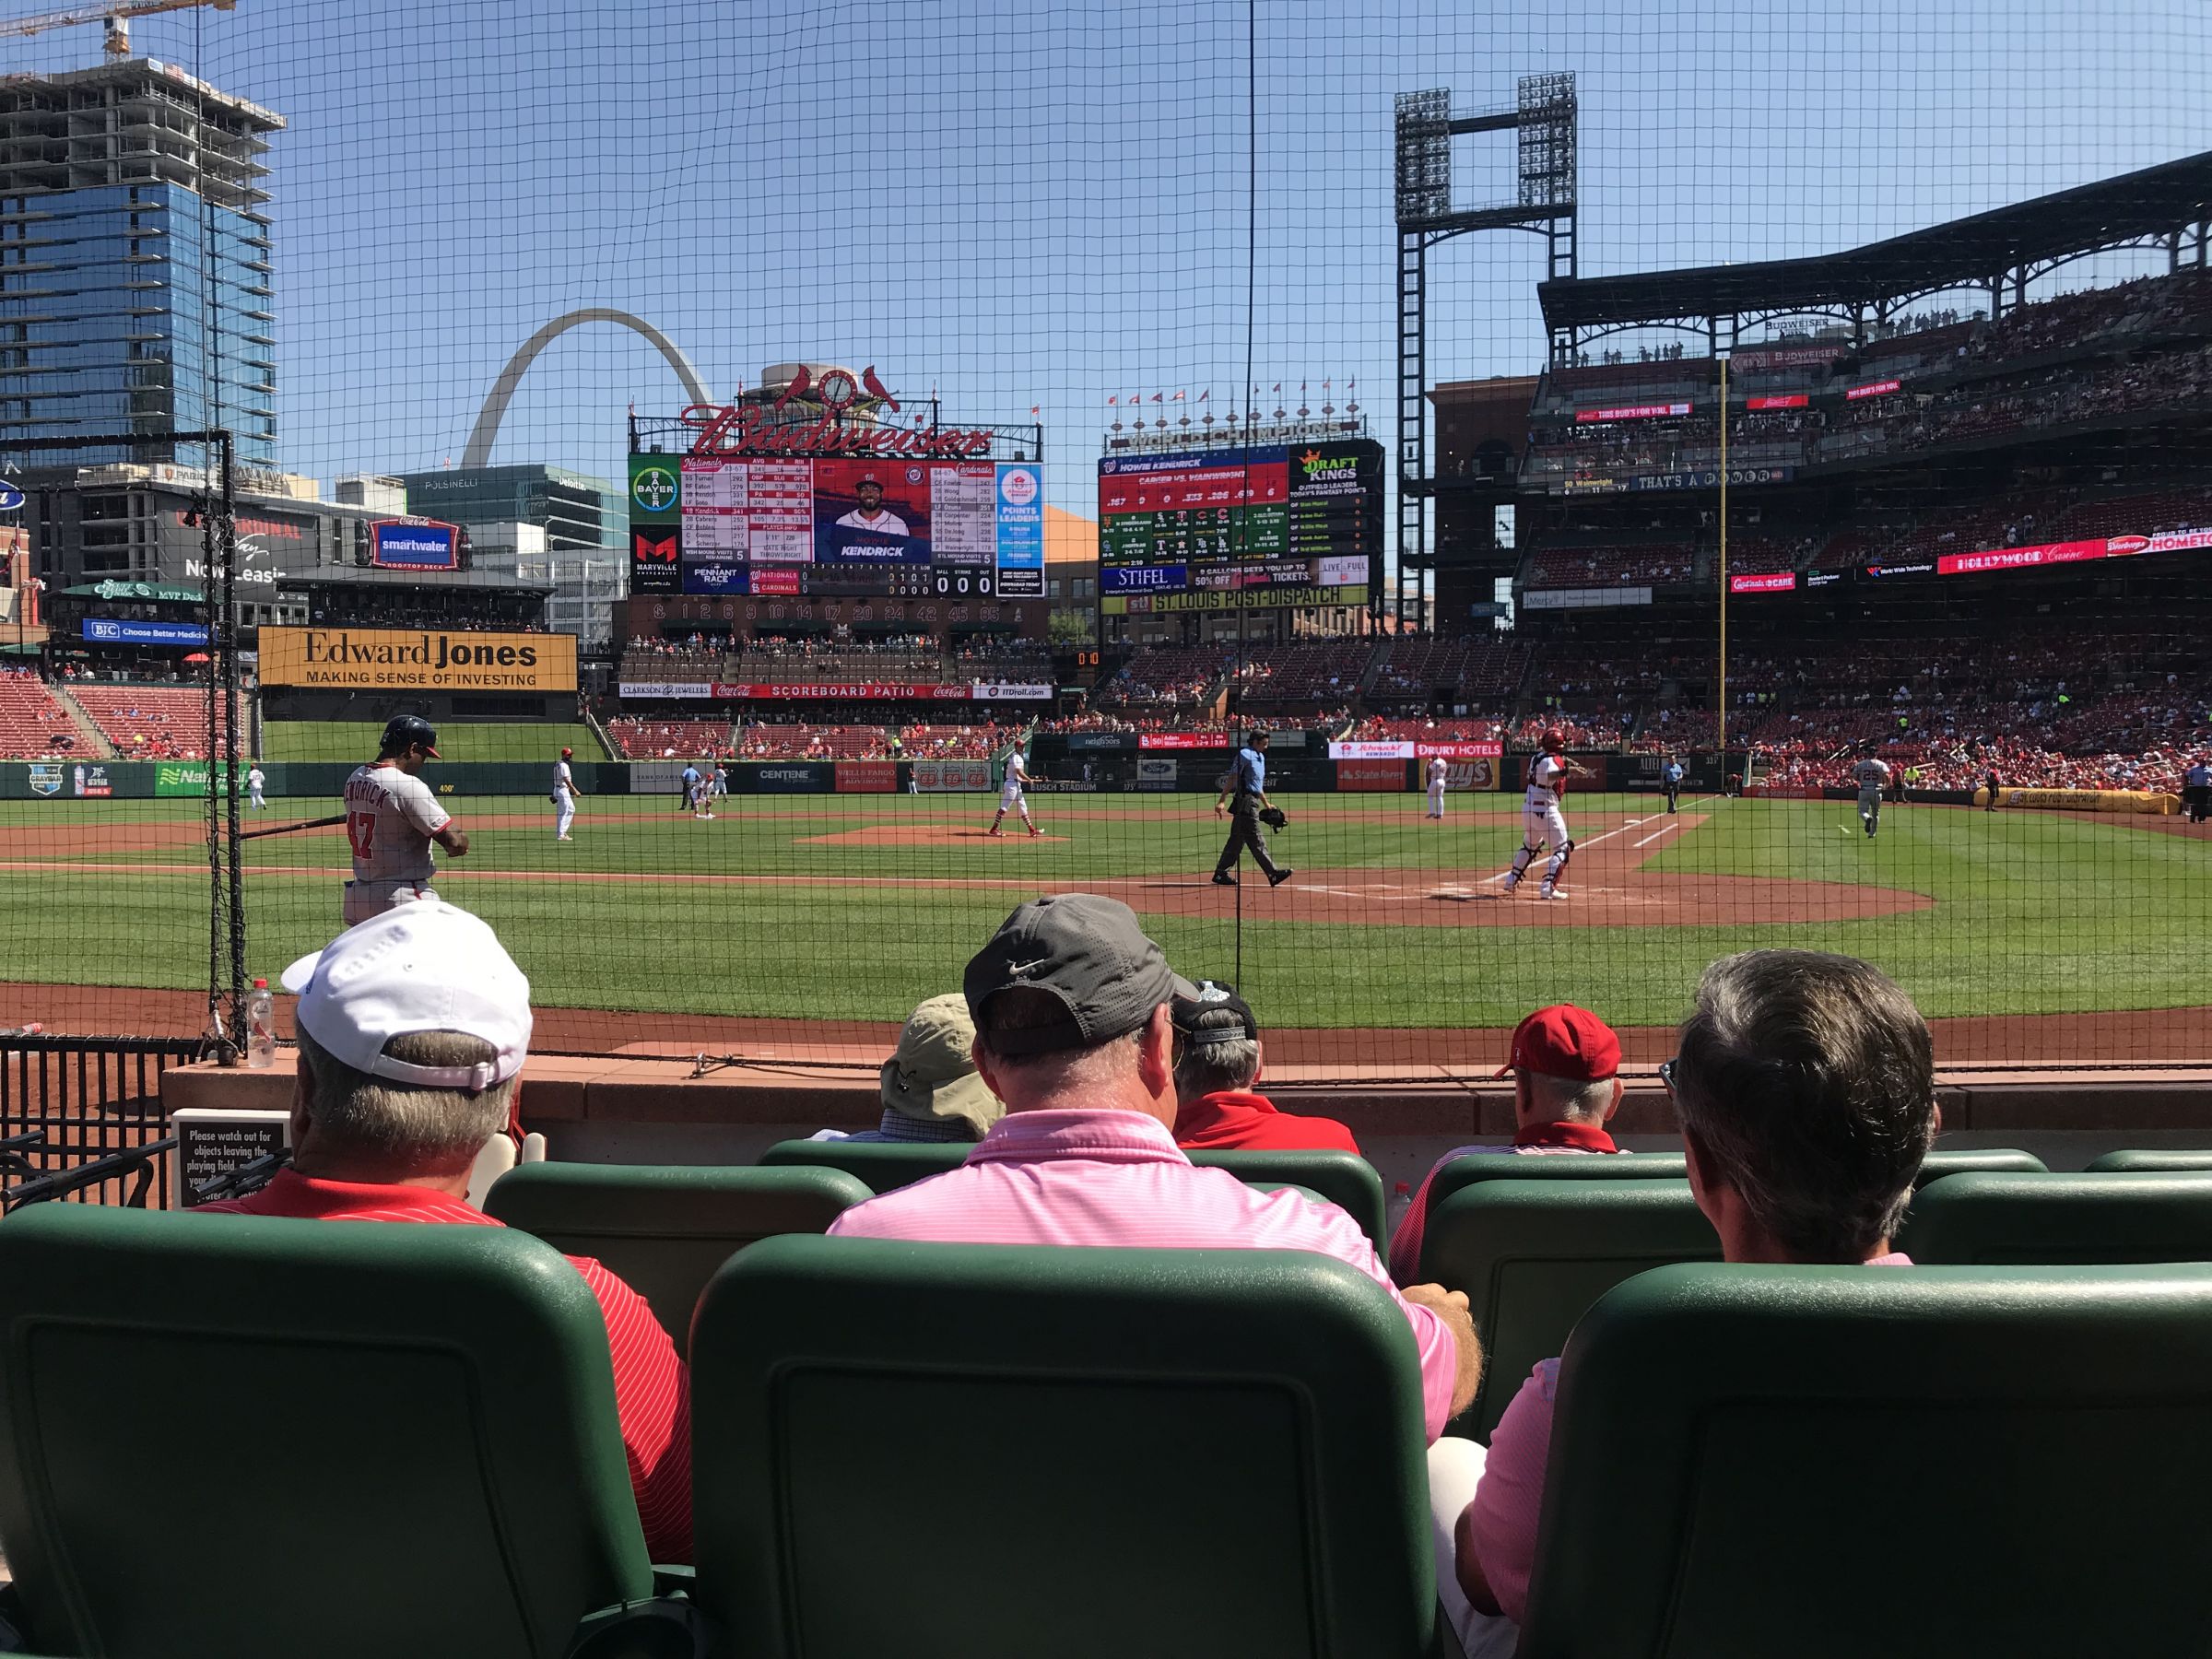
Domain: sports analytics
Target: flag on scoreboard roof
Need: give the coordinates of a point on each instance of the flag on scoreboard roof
(1110, 400)
(1178, 399)
(1205, 394)
(1154, 398)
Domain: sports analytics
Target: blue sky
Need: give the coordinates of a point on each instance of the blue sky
(1039, 203)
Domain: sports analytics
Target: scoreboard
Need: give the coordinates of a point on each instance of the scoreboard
(1271, 526)
(903, 527)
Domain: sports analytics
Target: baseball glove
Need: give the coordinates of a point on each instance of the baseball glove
(1274, 818)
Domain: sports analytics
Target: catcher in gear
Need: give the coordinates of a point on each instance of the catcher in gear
(1542, 823)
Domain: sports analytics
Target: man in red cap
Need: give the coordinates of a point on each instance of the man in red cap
(564, 795)
(1566, 1066)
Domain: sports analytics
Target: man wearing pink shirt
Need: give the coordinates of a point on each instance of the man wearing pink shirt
(1072, 1033)
(1805, 1087)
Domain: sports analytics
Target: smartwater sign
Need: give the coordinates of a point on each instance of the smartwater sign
(414, 545)
(114, 631)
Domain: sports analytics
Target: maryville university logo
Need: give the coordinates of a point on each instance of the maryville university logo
(647, 547)
(654, 488)
(753, 428)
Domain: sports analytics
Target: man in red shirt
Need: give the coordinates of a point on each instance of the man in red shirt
(413, 1028)
(1217, 1059)
(1566, 1066)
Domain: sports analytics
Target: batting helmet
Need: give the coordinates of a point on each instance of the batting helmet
(1555, 738)
(567, 753)
(403, 732)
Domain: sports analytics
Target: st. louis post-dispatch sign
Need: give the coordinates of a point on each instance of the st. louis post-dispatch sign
(417, 660)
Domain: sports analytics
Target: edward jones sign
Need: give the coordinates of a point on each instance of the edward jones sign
(371, 659)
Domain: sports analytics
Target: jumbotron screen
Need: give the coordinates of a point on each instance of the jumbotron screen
(1268, 527)
(795, 525)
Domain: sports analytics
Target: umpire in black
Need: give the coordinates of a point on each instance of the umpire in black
(1243, 800)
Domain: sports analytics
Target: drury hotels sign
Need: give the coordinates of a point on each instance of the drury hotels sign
(426, 660)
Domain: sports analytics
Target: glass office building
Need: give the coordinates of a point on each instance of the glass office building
(134, 271)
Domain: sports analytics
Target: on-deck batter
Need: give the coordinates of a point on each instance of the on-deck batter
(1542, 823)
(391, 819)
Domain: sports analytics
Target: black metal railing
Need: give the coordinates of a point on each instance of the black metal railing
(81, 1118)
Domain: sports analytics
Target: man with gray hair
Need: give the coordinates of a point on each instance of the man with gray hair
(1218, 1060)
(413, 1028)
(1806, 1086)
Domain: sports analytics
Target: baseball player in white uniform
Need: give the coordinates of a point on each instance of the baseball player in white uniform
(1542, 823)
(564, 797)
(391, 819)
(1439, 771)
(256, 780)
(1873, 777)
(1011, 798)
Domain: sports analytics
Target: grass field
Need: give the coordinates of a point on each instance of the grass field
(856, 907)
(356, 740)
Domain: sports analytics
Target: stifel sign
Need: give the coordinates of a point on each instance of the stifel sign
(746, 428)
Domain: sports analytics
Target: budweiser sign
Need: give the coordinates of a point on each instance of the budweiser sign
(751, 428)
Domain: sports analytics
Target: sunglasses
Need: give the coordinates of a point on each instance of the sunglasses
(1666, 1075)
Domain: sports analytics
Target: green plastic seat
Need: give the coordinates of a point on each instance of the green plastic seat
(1532, 1255)
(2051, 1219)
(1000, 1452)
(1563, 1166)
(2143, 1162)
(665, 1230)
(1344, 1179)
(1975, 1160)
(1929, 1463)
(371, 1440)
(880, 1166)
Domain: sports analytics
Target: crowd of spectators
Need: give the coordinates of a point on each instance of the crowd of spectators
(1174, 675)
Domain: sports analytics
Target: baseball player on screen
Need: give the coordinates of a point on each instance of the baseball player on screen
(391, 819)
(872, 514)
(1439, 771)
(1873, 777)
(1012, 798)
(564, 797)
(1542, 823)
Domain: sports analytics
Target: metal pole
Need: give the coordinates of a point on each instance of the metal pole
(1724, 724)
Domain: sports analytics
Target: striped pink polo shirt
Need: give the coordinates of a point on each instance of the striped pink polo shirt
(1117, 1178)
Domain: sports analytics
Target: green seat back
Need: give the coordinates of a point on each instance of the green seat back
(880, 1166)
(1559, 1166)
(1000, 1452)
(1975, 1160)
(1830, 1463)
(1344, 1179)
(2147, 1160)
(245, 1436)
(665, 1230)
(2051, 1219)
(1533, 1254)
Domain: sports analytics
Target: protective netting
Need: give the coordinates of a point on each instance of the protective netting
(837, 400)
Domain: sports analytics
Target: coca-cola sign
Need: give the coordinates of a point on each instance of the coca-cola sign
(749, 428)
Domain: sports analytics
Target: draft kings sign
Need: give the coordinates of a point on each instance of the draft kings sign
(417, 660)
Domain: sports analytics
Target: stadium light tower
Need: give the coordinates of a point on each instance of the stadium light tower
(1545, 120)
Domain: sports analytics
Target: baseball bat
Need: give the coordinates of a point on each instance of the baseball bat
(320, 823)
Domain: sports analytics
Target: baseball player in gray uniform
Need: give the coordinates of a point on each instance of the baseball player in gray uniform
(1873, 777)
(391, 819)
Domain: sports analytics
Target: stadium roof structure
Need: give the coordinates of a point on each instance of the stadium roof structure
(2005, 249)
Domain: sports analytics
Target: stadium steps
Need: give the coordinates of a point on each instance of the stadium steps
(607, 744)
(1377, 660)
(87, 727)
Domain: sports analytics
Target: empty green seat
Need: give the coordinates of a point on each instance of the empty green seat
(665, 1230)
(881, 1166)
(1830, 1463)
(1557, 1166)
(1533, 1254)
(1975, 1160)
(1344, 1179)
(1001, 1452)
(369, 1438)
(2053, 1218)
(2148, 1161)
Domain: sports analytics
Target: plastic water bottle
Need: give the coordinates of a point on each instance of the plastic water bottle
(1400, 1202)
(261, 1026)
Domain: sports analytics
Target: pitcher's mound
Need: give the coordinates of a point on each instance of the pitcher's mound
(914, 835)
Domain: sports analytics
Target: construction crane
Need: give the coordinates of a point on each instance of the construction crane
(115, 14)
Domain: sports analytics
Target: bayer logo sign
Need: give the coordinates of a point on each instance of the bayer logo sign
(654, 489)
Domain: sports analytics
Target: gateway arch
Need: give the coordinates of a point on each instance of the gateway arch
(477, 452)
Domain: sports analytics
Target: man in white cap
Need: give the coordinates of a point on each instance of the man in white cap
(413, 1028)
(930, 1088)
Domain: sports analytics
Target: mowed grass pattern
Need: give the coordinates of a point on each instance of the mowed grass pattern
(356, 740)
(857, 907)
